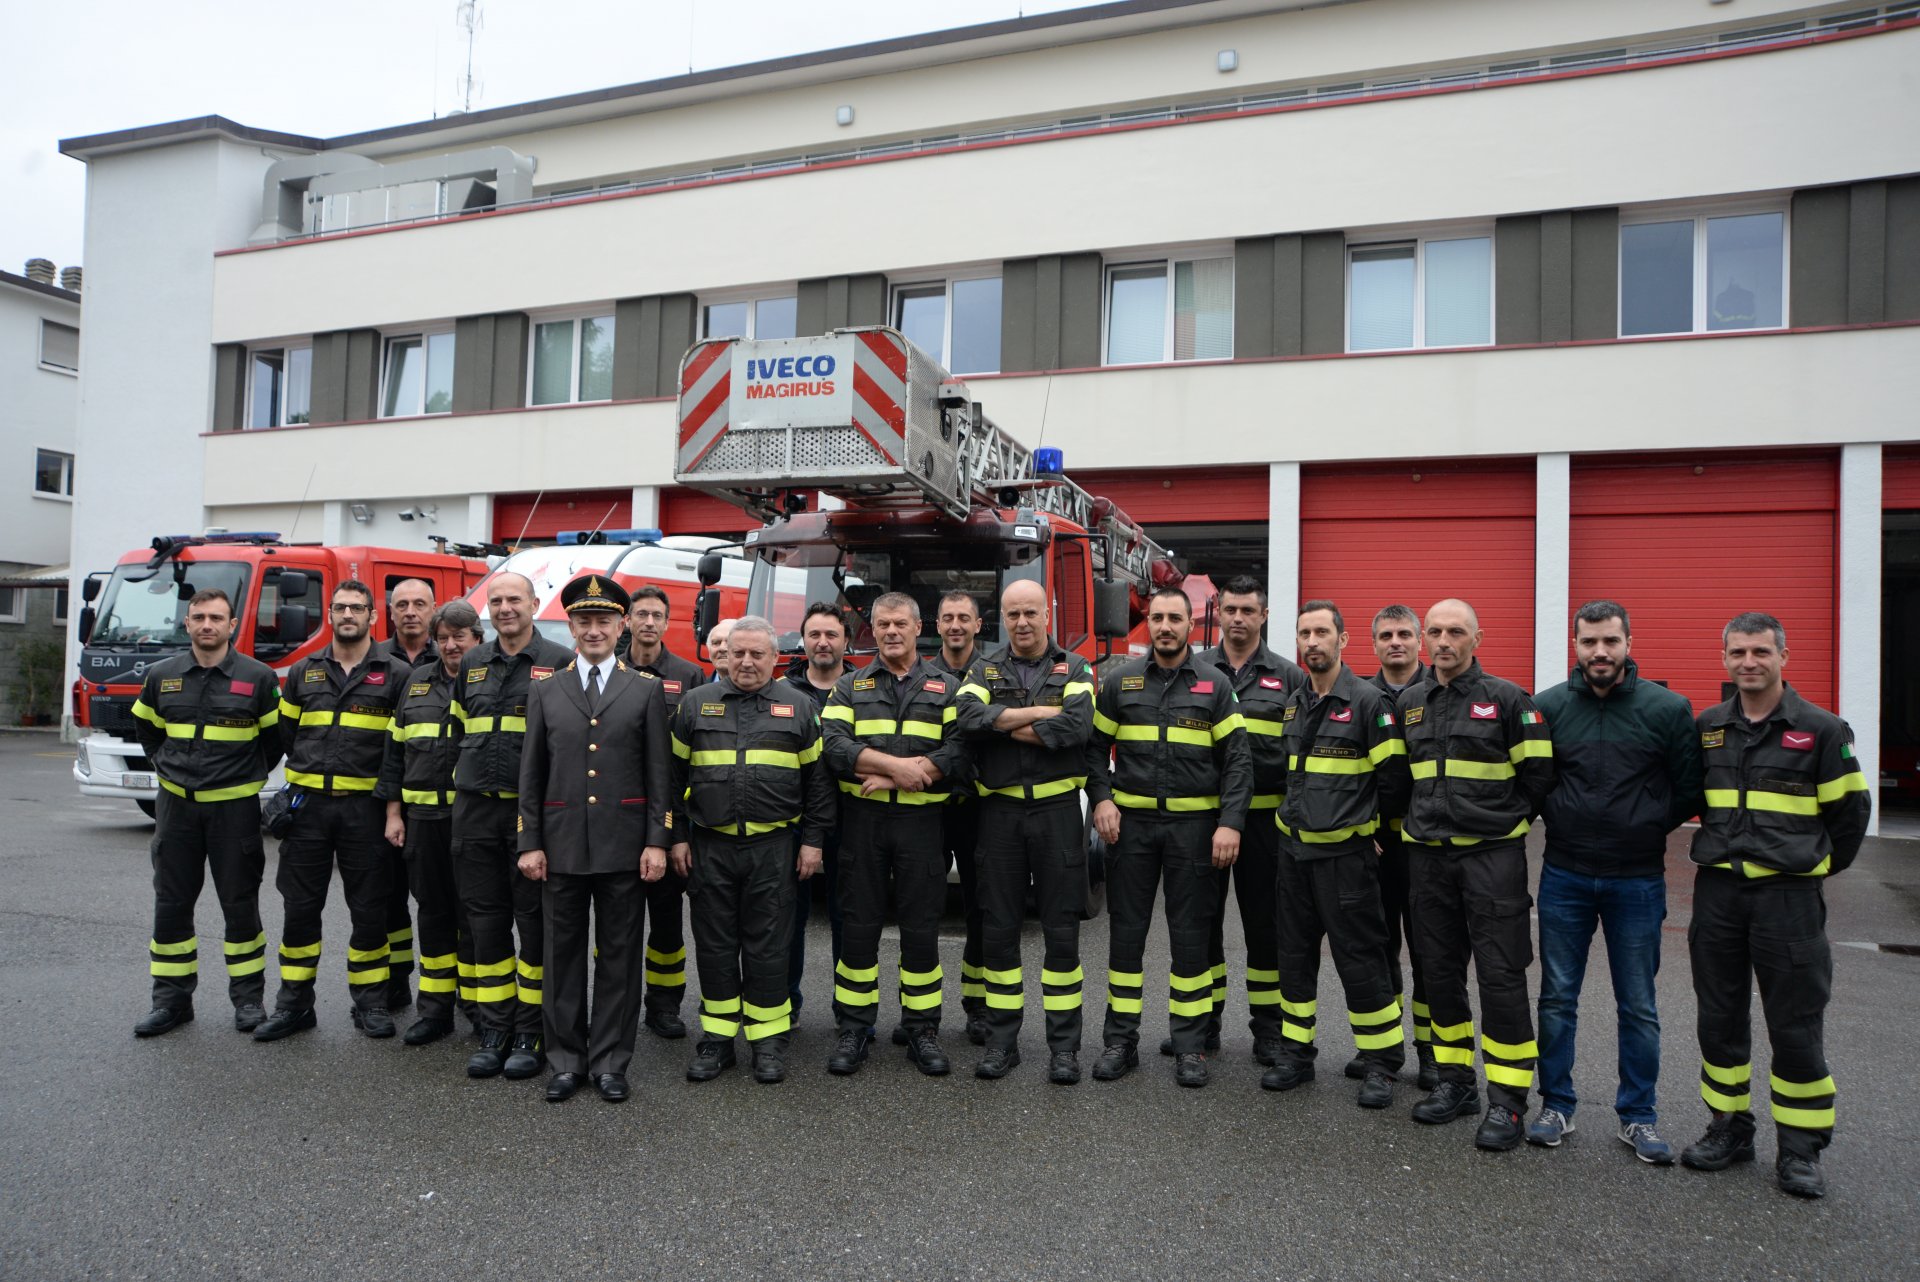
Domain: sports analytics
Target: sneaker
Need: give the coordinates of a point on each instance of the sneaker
(1116, 1061)
(1548, 1129)
(1729, 1139)
(849, 1053)
(998, 1062)
(1645, 1143)
(1191, 1069)
(1800, 1176)
(1500, 1130)
(1448, 1101)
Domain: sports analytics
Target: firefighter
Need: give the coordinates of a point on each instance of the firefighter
(746, 761)
(1480, 764)
(892, 744)
(1263, 682)
(336, 714)
(666, 947)
(1396, 643)
(207, 719)
(416, 783)
(488, 725)
(410, 637)
(1172, 803)
(1785, 808)
(823, 636)
(959, 627)
(1341, 739)
(1027, 711)
(593, 828)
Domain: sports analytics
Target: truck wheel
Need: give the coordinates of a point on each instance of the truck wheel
(146, 808)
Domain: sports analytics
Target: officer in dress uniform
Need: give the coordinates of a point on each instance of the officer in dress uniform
(592, 827)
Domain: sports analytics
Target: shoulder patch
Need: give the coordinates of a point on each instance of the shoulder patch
(476, 675)
(376, 678)
(713, 709)
(1797, 740)
(239, 687)
(1416, 715)
(1202, 687)
(1344, 715)
(1272, 683)
(541, 674)
(639, 672)
(863, 683)
(1713, 738)
(671, 687)
(1059, 669)
(314, 676)
(1133, 683)
(935, 687)
(780, 710)
(1483, 711)
(420, 687)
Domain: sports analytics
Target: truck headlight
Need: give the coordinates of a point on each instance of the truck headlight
(80, 757)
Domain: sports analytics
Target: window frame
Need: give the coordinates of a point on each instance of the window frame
(1167, 259)
(17, 613)
(752, 298)
(945, 280)
(574, 316)
(286, 351)
(62, 606)
(1700, 214)
(387, 340)
(1419, 238)
(41, 355)
(66, 475)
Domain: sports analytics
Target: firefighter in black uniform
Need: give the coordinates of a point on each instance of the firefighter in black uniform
(1480, 763)
(1396, 643)
(746, 761)
(410, 638)
(1027, 712)
(1263, 682)
(1785, 808)
(488, 724)
(207, 720)
(959, 627)
(593, 827)
(646, 651)
(417, 785)
(892, 744)
(336, 714)
(1182, 777)
(1341, 740)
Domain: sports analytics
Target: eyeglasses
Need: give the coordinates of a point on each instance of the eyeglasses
(653, 616)
(339, 608)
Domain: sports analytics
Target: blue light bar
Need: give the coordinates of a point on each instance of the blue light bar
(1049, 461)
(581, 538)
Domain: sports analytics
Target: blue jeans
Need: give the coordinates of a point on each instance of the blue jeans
(1629, 910)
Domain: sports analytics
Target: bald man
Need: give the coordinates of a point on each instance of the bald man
(488, 722)
(717, 646)
(1481, 766)
(410, 611)
(1026, 711)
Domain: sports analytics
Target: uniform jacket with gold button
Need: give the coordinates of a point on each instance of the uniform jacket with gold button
(594, 788)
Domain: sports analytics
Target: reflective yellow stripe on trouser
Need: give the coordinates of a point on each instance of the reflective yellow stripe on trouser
(1219, 977)
(179, 958)
(1727, 1088)
(1807, 1105)
(1377, 1030)
(246, 956)
(1453, 1044)
(400, 949)
(1002, 989)
(667, 970)
(1298, 1019)
(1123, 991)
(527, 982)
(299, 962)
(973, 985)
(1509, 1063)
(719, 1016)
(1061, 989)
(436, 972)
(856, 989)
(920, 989)
(368, 966)
(1422, 1022)
(487, 981)
(767, 1021)
(1190, 995)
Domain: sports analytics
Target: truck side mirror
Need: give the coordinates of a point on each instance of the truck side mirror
(706, 614)
(90, 587)
(292, 584)
(291, 625)
(708, 569)
(88, 616)
(1111, 608)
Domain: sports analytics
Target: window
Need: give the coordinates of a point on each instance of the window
(13, 605)
(572, 361)
(53, 474)
(419, 375)
(957, 322)
(59, 347)
(1425, 292)
(280, 386)
(1180, 310)
(751, 318)
(60, 607)
(281, 626)
(1703, 274)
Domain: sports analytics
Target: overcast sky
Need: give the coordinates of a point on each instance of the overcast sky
(76, 67)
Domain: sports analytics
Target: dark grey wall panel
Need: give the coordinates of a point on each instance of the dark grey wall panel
(635, 358)
(1818, 276)
(1596, 273)
(1050, 313)
(1082, 282)
(363, 375)
(472, 364)
(1323, 293)
(1253, 297)
(346, 376)
(1289, 321)
(1867, 253)
(1516, 279)
(1903, 249)
(509, 354)
(1019, 283)
(810, 307)
(834, 302)
(866, 300)
(229, 387)
(1556, 276)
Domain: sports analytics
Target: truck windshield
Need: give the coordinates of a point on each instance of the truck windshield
(143, 607)
(782, 593)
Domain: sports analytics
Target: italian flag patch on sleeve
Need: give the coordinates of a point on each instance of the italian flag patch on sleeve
(1846, 750)
(1384, 719)
(1532, 719)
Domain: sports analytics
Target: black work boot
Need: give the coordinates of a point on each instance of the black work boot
(1729, 1139)
(374, 1021)
(1448, 1101)
(284, 1023)
(1191, 1069)
(1800, 1176)
(923, 1048)
(1429, 1069)
(163, 1019)
(1212, 1044)
(1117, 1059)
(849, 1053)
(1376, 1090)
(710, 1059)
(1287, 1074)
(248, 1016)
(427, 1030)
(525, 1058)
(1064, 1069)
(1500, 1130)
(769, 1062)
(492, 1055)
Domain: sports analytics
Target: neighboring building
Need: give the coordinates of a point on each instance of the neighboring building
(39, 405)
(1521, 300)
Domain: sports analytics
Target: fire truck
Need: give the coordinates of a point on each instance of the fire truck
(932, 495)
(134, 617)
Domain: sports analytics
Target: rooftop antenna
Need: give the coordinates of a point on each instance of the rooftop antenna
(468, 18)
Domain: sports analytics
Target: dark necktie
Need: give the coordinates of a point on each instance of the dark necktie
(593, 686)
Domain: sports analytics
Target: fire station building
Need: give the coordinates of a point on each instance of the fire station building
(1524, 301)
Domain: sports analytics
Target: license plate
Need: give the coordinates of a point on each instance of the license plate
(137, 781)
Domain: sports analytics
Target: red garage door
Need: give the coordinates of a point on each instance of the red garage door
(541, 516)
(1414, 533)
(1690, 541)
(684, 511)
(1182, 496)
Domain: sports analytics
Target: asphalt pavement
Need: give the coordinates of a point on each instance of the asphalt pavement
(204, 1155)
